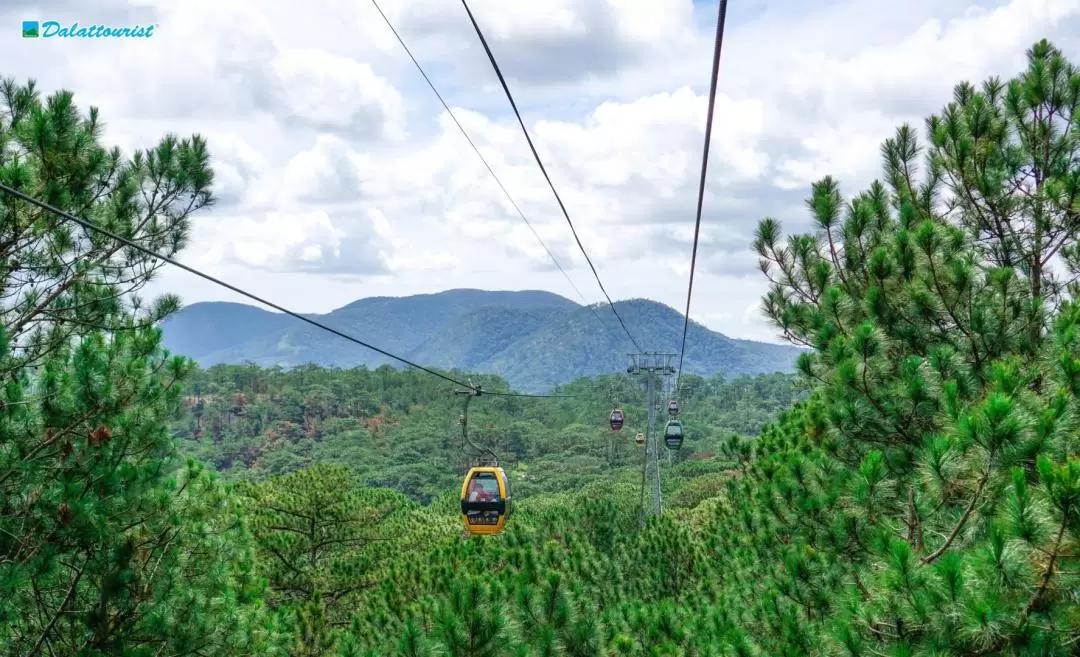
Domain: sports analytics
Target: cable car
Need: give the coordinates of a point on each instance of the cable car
(673, 434)
(640, 440)
(485, 500)
(673, 408)
(616, 419)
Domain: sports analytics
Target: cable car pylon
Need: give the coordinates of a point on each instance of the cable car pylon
(651, 366)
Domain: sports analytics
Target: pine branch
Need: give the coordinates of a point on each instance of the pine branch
(63, 605)
(960, 524)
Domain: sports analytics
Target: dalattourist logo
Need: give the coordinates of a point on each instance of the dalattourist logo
(48, 29)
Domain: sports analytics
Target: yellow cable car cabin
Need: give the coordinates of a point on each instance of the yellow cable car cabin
(485, 500)
(640, 440)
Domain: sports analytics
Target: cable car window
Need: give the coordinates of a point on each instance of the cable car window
(484, 488)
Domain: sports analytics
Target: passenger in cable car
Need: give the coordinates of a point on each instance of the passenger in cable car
(475, 490)
(484, 490)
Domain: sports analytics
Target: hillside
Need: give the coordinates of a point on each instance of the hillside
(533, 339)
(400, 429)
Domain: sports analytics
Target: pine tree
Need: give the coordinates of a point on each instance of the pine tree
(108, 543)
(943, 518)
(322, 538)
(60, 279)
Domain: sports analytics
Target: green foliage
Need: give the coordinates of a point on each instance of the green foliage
(108, 544)
(59, 279)
(922, 509)
(319, 536)
(400, 429)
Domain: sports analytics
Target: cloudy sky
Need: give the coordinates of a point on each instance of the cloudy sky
(340, 176)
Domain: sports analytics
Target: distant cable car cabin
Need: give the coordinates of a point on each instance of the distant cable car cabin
(616, 419)
(485, 500)
(640, 440)
(673, 408)
(673, 434)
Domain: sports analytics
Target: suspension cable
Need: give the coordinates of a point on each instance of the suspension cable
(487, 165)
(701, 187)
(138, 247)
(543, 170)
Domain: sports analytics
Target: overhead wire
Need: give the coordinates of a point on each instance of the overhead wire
(484, 160)
(536, 156)
(217, 281)
(722, 15)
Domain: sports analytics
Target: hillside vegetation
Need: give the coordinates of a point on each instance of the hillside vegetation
(534, 340)
(401, 429)
(920, 499)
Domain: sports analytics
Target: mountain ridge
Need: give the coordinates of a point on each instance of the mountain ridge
(533, 338)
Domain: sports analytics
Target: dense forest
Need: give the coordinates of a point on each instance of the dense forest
(401, 429)
(915, 492)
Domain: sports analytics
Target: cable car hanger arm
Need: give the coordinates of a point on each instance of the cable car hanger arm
(474, 391)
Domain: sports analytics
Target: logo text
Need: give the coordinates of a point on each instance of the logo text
(48, 29)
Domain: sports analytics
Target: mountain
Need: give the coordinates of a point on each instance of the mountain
(534, 339)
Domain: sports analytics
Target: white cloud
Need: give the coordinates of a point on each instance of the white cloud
(330, 92)
(269, 242)
(329, 171)
(237, 165)
(340, 176)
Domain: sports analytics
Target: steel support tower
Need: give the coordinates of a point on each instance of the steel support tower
(651, 366)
